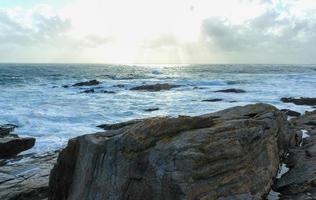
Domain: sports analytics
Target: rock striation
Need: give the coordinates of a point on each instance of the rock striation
(26, 178)
(230, 154)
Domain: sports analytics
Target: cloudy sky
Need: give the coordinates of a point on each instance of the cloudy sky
(158, 31)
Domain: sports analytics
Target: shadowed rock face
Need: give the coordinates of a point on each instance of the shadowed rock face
(300, 182)
(11, 144)
(231, 154)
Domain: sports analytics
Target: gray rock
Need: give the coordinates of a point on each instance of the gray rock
(87, 83)
(155, 87)
(231, 154)
(300, 182)
(231, 90)
(300, 101)
(26, 179)
(10, 146)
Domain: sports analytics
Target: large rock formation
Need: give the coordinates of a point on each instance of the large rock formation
(231, 154)
(300, 181)
(26, 179)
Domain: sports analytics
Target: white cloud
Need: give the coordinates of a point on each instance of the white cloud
(178, 31)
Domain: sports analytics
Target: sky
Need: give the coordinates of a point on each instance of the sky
(158, 31)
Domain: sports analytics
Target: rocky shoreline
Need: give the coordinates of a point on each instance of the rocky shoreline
(235, 153)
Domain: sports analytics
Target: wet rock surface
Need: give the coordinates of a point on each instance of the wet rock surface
(87, 83)
(291, 113)
(300, 182)
(300, 101)
(231, 90)
(212, 100)
(11, 144)
(155, 87)
(176, 158)
(151, 109)
(26, 178)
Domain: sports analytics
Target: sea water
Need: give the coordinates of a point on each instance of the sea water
(33, 98)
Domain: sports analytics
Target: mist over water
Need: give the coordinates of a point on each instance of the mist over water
(33, 98)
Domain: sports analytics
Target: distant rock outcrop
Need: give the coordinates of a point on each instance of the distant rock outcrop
(300, 101)
(88, 83)
(155, 87)
(230, 154)
(231, 90)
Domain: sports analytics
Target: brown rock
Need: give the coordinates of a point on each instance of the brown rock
(231, 90)
(231, 154)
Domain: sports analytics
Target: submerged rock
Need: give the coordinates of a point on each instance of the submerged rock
(151, 109)
(26, 179)
(212, 100)
(87, 83)
(88, 91)
(231, 90)
(230, 154)
(300, 101)
(155, 87)
(300, 181)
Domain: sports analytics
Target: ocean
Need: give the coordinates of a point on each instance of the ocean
(33, 98)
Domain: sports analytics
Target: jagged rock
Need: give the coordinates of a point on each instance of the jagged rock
(300, 101)
(155, 87)
(231, 90)
(87, 83)
(10, 146)
(119, 125)
(6, 129)
(26, 179)
(212, 100)
(300, 182)
(230, 154)
(291, 113)
(151, 109)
